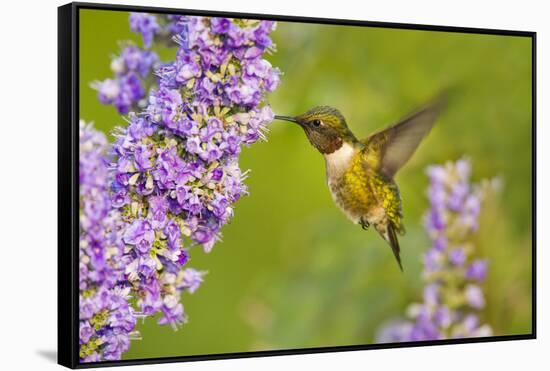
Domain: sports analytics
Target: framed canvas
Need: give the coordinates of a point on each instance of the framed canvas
(240, 185)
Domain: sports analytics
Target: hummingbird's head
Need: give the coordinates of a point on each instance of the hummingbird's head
(325, 127)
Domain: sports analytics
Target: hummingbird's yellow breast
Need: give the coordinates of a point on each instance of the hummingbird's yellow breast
(361, 192)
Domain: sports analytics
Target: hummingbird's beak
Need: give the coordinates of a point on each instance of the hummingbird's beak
(287, 118)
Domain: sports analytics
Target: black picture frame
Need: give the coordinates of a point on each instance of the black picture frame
(68, 183)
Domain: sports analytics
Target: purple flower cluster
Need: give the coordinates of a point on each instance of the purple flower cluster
(132, 69)
(453, 294)
(107, 320)
(172, 175)
(176, 173)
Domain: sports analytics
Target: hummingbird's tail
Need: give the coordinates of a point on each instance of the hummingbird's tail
(394, 243)
(389, 234)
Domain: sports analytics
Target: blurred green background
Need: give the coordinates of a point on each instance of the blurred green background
(291, 271)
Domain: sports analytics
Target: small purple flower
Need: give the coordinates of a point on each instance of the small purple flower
(211, 153)
(172, 230)
(164, 106)
(220, 25)
(231, 143)
(108, 91)
(127, 88)
(395, 331)
(146, 266)
(86, 332)
(146, 25)
(469, 214)
(470, 323)
(431, 294)
(203, 235)
(477, 270)
(172, 311)
(433, 260)
(219, 205)
(140, 234)
(474, 296)
(158, 209)
(116, 344)
(442, 317)
(135, 59)
(177, 25)
(457, 196)
(440, 243)
(142, 155)
(216, 174)
(187, 68)
(193, 145)
(457, 256)
(193, 205)
(191, 279)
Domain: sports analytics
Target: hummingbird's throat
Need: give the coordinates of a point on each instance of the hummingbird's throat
(327, 145)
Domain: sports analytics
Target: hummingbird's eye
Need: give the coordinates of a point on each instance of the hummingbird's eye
(316, 122)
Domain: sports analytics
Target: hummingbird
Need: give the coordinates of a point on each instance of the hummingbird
(360, 173)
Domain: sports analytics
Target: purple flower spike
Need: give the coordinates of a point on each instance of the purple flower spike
(107, 321)
(451, 300)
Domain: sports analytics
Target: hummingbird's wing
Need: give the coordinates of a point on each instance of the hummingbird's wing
(389, 149)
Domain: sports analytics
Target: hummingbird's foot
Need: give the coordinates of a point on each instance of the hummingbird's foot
(364, 224)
